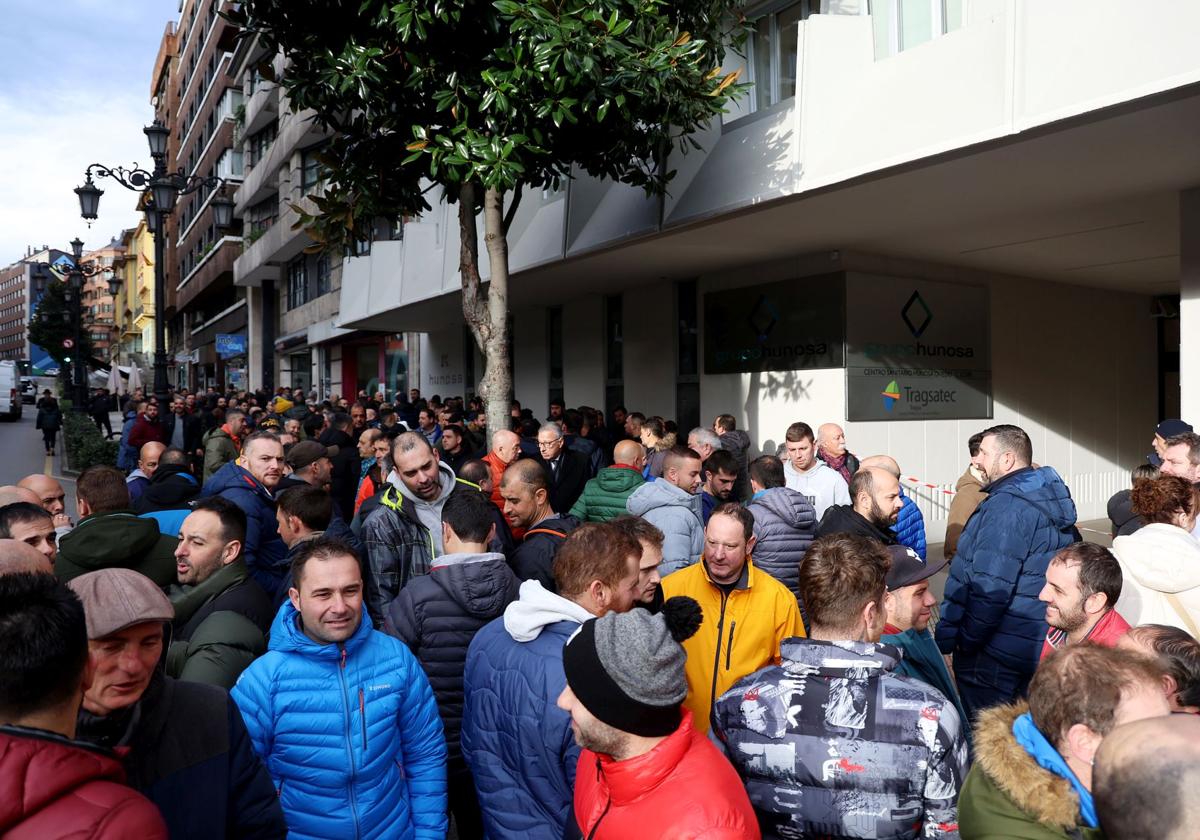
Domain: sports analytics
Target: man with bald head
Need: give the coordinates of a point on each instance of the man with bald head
(139, 479)
(506, 448)
(11, 493)
(910, 524)
(874, 505)
(525, 488)
(52, 497)
(831, 448)
(1157, 761)
(604, 496)
(17, 557)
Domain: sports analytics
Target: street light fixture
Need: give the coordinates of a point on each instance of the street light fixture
(165, 188)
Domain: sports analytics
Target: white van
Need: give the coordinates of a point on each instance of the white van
(10, 390)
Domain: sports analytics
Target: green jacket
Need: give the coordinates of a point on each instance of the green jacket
(219, 450)
(1008, 794)
(220, 627)
(604, 496)
(118, 539)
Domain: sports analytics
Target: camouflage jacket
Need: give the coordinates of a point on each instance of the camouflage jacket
(831, 743)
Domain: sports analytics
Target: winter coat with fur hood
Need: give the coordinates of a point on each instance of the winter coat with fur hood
(1008, 794)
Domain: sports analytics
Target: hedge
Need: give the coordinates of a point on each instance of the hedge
(85, 444)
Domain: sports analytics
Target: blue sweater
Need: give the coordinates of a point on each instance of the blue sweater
(350, 734)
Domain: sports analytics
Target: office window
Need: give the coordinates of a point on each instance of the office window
(312, 171)
(773, 52)
(297, 294)
(323, 275)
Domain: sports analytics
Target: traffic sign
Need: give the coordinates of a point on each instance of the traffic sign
(68, 343)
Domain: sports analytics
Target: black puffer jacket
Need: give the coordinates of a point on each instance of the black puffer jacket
(737, 443)
(343, 485)
(172, 488)
(785, 525)
(533, 559)
(437, 615)
(844, 519)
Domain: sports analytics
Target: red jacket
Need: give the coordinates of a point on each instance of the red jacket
(1107, 632)
(55, 787)
(683, 788)
(145, 431)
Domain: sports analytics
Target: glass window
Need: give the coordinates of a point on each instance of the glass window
(774, 55)
(312, 171)
(297, 282)
(554, 343)
(322, 275)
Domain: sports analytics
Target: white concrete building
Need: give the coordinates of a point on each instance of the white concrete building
(1038, 157)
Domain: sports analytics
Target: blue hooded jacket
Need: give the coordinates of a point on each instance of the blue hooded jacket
(991, 613)
(910, 526)
(264, 552)
(350, 734)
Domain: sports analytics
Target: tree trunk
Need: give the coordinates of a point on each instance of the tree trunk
(486, 310)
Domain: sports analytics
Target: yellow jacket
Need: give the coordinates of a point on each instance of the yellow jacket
(740, 634)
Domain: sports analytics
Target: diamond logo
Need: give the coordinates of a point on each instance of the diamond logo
(763, 317)
(916, 314)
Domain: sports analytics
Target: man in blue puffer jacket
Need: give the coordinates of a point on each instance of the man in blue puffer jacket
(992, 621)
(342, 715)
(517, 742)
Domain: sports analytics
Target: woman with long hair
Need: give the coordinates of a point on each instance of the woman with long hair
(1161, 561)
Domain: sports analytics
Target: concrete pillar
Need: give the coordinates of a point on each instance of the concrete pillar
(254, 338)
(1189, 305)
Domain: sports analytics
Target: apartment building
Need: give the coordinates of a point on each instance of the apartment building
(198, 99)
(134, 302)
(925, 218)
(293, 296)
(14, 312)
(97, 301)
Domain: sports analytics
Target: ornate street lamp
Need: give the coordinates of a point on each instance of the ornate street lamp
(164, 188)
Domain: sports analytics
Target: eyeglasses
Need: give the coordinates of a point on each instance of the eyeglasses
(545, 444)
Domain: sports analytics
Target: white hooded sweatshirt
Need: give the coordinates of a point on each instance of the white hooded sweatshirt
(1158, 559)
(537, 608)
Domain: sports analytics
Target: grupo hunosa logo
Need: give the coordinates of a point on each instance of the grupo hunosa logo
(891, 395)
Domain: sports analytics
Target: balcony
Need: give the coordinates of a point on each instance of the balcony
(216, 264)
(265, 257)
(261, 108)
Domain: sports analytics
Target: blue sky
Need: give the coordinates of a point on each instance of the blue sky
(74, 90)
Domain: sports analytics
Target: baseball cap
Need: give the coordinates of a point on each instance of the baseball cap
(1170, 428)
(908, 567)
(308, 452)
(114, 599)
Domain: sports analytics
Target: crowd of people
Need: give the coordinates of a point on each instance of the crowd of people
(283, 617)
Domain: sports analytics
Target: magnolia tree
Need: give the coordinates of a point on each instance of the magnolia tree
(487, 100)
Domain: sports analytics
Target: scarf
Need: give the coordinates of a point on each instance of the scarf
(1043, 752)
(838, 463)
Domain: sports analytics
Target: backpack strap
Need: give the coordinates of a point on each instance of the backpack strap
(549, 531)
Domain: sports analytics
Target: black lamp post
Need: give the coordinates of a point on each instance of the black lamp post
(164, 188)
(73, 293)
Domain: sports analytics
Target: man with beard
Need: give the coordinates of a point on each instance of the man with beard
(343, 715)
(1083, 583)
(720, 476)
(873, 511)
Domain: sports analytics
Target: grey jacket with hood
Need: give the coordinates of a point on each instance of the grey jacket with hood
(785, 525)
(678, 514)
(437, 615)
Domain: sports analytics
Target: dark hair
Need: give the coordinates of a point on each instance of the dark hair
(173, 456)
(721, 460)
(655, 426)
(839, 575)
(595, 551)
(232, 517)
(676, 455)
(18, 513)
(469, 515)
(572, 420)
(558, 402)
(973, 443)
(1012, 439)
(43, 643)
(474, 471)
(529, 472)
(639, 529)
(798, 432)
(341, 420)
(1083, 684)
(735, 511)
(1179, 655)
(320, 548)
(1189, 439)
(1099, 570)
(1158, 500)
(457, 429)
(1144, 470)
(311, 505)
(636, 416)
(766, 471)
(103, 488)
(861, 482)
(726, 422)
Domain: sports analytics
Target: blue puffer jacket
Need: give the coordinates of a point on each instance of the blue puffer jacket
(678, 514)
(516, 741)
(264, 552)
(127, 456)
(350, 734)
(991, 613)
(785, 525)
(910, 526)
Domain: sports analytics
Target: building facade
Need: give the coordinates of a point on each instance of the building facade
(918, 223)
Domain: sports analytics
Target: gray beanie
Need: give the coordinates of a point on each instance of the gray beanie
(628, 668)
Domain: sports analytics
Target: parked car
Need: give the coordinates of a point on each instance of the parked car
(28, 390)
(10, 390)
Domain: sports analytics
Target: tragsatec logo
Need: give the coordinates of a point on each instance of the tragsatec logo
(891, 395)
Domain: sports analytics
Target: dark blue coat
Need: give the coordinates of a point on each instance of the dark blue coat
(991, 614)
(264, 552)
(785, 525)
(910, 526)
(517, 743)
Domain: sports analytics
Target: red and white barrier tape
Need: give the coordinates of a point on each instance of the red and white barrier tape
(916, 481)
